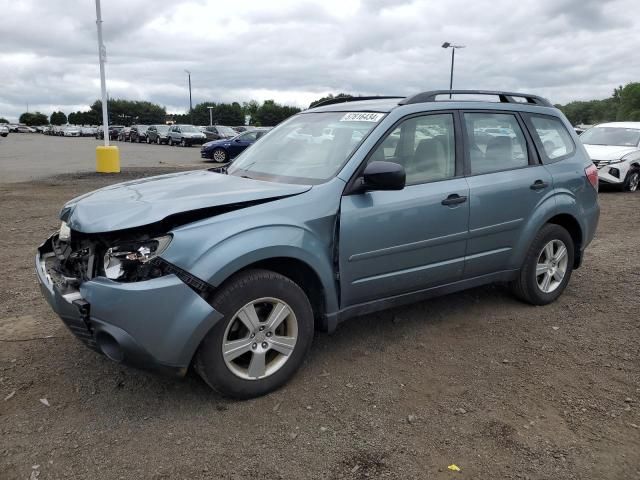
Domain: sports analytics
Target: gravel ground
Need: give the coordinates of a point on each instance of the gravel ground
(476, 379)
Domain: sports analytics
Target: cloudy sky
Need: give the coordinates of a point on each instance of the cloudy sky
(295, 51)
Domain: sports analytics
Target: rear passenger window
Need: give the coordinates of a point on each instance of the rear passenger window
(496, 142)
(424, 146)
(553, 135)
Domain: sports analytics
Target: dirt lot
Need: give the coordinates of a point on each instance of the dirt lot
(477, 379)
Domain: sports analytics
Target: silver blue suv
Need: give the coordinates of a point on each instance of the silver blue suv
(341, 210)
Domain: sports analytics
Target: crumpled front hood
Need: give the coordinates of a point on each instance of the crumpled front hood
(608, 152)
(149, 200)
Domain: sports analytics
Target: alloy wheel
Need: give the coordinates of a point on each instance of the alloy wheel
(260, 338)
(219, 155)
(634, 181)
(552, 266)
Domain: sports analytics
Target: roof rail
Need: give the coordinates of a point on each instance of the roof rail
(334, 100)
(505, 97)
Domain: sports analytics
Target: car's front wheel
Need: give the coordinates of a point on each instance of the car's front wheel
(632, 181)
(220, 155)
(170, 142)
(547, 267)
(263, 338)
(183, 143)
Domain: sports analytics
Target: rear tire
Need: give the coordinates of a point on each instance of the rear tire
(546, 270)
(256, 364)
(632, 180)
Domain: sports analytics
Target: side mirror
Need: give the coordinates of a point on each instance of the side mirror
(237, 140)
(384, 176)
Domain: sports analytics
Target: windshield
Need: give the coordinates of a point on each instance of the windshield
(189, 129)
(227, 131)
(307, 148)
(624, 137)
(162, 128)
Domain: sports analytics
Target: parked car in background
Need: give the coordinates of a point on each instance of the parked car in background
(216, 132)
(158, 134)
(72, 131)
(232, 273)
(4, 130)
(25, 129)
(114, 130)
(138, 133)
(124, 134)
(185, 136)
(88, 131)
(614, 149)
(244, 128)
(224, 150)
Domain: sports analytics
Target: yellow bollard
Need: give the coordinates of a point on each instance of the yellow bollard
(107, 159)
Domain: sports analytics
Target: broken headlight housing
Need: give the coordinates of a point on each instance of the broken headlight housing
(132, 261)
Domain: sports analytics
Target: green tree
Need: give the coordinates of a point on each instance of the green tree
(58, 118)
(32, 119)
(271, 113)
(629, 103)
(3, 120)
(329, 97)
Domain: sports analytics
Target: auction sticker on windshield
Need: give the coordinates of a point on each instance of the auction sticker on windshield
(361, 117)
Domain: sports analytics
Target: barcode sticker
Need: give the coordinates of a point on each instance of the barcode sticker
(362, 117)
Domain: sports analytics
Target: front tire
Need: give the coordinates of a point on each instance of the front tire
(547, 267)
(183, 143)
(170, 142)
(220, 155)
(632, 181)
(263, 338)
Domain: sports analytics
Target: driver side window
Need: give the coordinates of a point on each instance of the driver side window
(424, 146)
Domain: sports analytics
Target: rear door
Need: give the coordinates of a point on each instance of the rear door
(395, 242)
(506, 183)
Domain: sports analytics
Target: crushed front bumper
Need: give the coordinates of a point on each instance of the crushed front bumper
(155, 324)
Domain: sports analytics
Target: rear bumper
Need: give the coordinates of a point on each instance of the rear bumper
(154, 325)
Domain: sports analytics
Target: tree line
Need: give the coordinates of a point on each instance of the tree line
(622, 105)
(130, 112)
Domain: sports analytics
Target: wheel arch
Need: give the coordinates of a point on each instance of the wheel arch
(571, 225)
(302, 274)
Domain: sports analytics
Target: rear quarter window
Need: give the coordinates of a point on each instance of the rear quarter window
(552, 137)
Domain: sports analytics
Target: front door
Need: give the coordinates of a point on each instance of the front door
(395, 242)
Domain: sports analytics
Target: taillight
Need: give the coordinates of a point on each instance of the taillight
(592, 175)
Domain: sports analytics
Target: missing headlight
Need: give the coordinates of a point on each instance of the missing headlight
(130, 261)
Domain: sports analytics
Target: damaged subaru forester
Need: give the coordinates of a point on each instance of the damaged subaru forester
(348, 208)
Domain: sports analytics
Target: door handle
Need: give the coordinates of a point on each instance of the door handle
(454, 199)
(538, 185)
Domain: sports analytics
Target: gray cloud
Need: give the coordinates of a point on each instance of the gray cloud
(297, 50)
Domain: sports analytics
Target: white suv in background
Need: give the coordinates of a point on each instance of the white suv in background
(614, 148)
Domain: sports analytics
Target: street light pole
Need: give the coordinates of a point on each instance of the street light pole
(107, 157)
(190, 106)
(102, 56)
(453, 57)
(210, 116)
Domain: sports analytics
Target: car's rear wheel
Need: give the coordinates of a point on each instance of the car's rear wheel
(632, 181)
(263, 338)
(547, 267)
(220, 155)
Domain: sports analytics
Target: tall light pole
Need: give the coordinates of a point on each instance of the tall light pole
(190, 106)
(453, 56)
(107, 157)
(210, 116)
